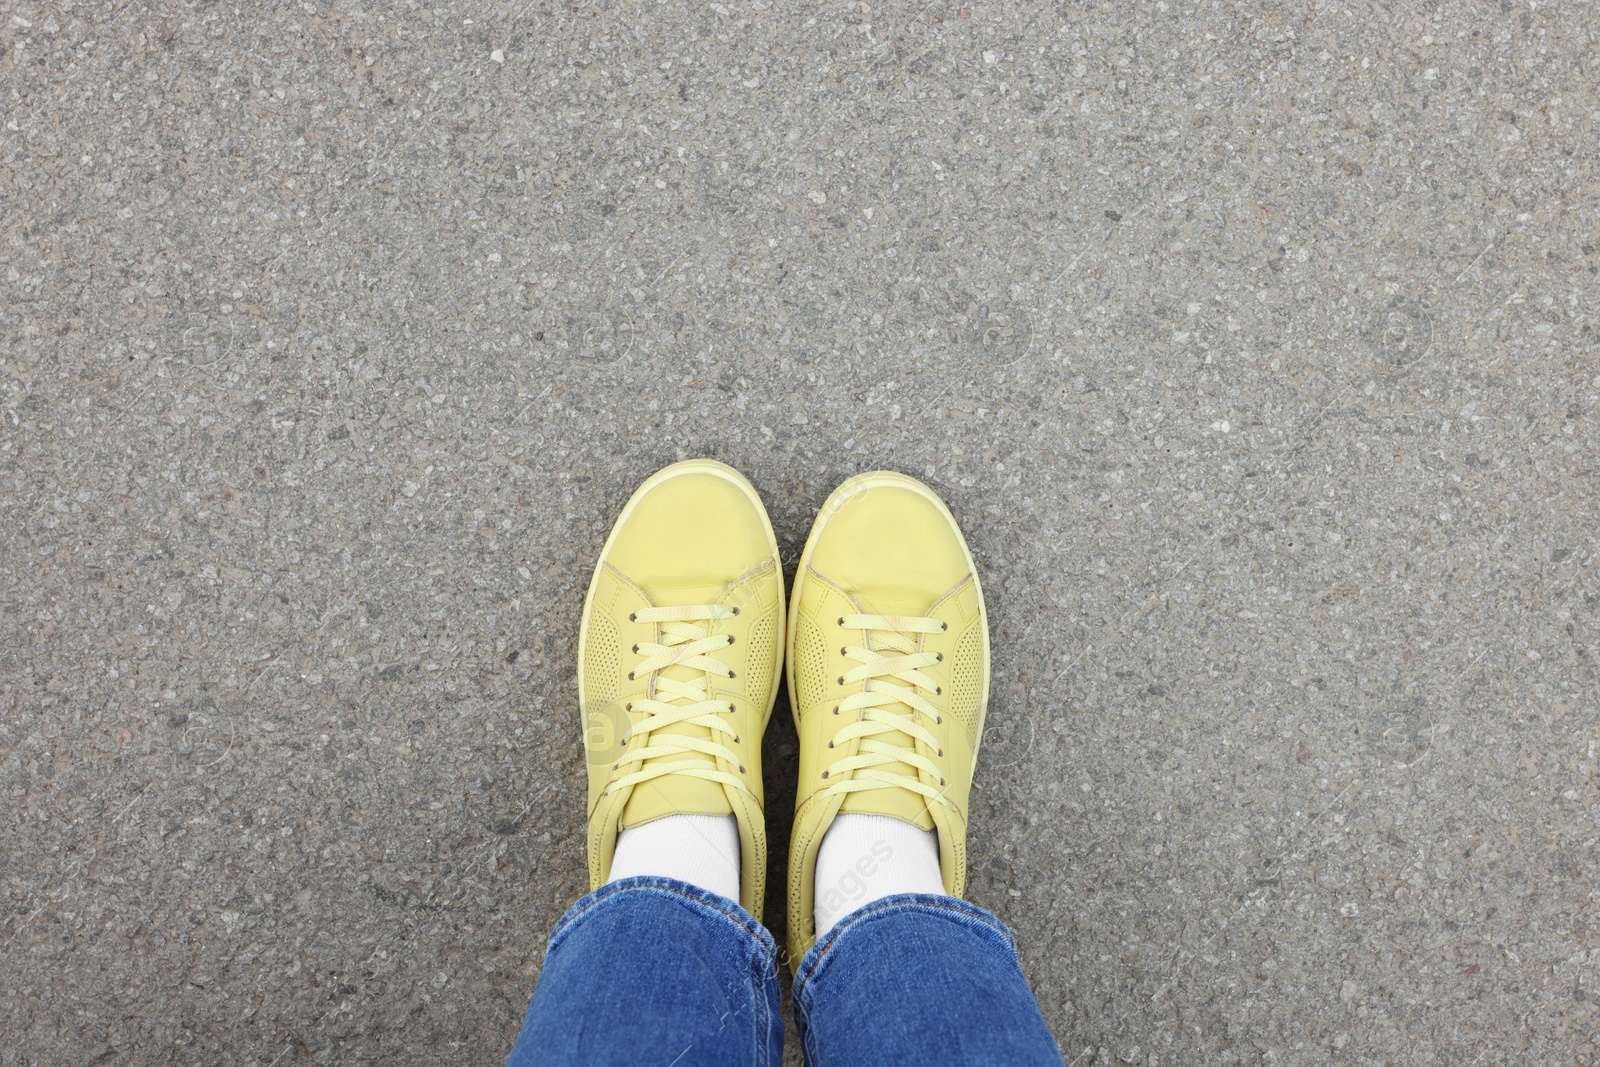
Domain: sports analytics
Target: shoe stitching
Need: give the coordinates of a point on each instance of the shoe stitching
(747, 575)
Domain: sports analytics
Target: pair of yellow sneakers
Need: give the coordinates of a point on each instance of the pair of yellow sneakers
(684, 628)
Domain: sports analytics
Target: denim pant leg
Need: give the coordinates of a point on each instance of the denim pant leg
(919, 980)
(648, 971)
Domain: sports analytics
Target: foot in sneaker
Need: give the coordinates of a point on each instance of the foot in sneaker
(888, 651)
(678, 656)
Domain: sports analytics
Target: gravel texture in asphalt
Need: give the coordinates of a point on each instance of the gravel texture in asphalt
(1253, 344)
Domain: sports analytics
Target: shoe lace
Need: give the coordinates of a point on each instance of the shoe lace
(891, 703)
(686, 641)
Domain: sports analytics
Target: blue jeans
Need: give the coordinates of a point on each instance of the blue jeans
(652, 971)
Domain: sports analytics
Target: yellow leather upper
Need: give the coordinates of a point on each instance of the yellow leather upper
(883, 545)
(694, 534)
(890, 549)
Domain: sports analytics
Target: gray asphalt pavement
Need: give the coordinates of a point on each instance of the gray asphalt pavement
(1253, 344)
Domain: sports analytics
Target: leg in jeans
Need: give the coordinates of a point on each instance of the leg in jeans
(678, 656)
(919, 979)
(889, 674)
(650, 971)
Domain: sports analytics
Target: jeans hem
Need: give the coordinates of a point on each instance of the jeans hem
(689, 894)
(931, 903)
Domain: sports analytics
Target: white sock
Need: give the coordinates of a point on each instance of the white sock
(702, 849)
(868, 857)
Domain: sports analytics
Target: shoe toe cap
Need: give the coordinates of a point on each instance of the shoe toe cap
(691, 534)
(893, 547)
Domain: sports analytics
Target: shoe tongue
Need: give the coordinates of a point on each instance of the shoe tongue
(679, 794)
(668, 595)
(898, 803)
(912, 604)
(674, 794)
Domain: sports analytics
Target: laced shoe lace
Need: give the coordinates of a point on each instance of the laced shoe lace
(892, 703)
(686, 641)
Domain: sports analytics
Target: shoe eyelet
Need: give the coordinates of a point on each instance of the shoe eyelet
(636, 649)
(733, 674)
(824, 774)
(632, 617)
(830, 744)
(741, 769)
(841, 679)
(730, 639)
(943, 627)
(630, 676)
(736, 741)
(943, 782)
(836, 709)
(628, 706)
(844, 652)
(938, 690)
(941, 752)
(736, 611)
(938, 720)
(731, 707)
(841, 620)
(939, 657)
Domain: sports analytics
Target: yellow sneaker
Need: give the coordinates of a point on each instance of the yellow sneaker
(888, 675)
(678, 662)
